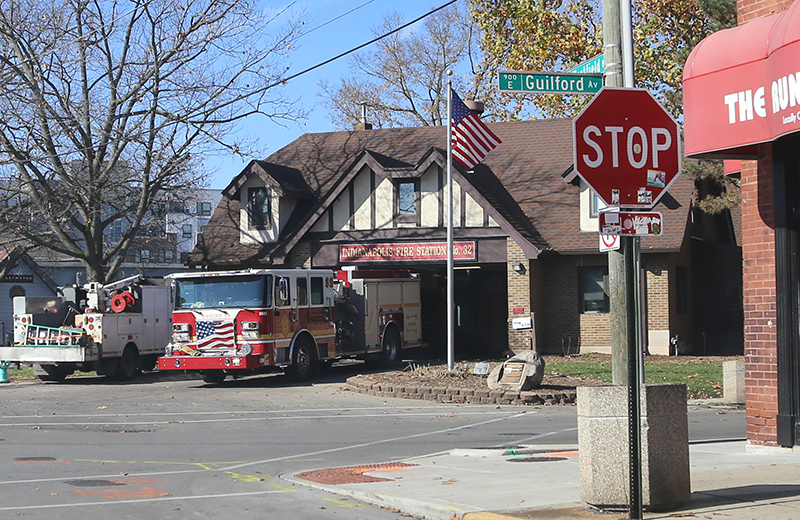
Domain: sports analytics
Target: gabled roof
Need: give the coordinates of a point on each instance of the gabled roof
(10, 259)
(521, 182)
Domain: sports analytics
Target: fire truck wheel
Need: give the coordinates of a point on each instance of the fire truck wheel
(149, 362)
(127, 364)
(303, 360)
(392, 348)
(212, 377)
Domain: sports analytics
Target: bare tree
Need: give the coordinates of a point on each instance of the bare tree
(402, 82)
(108, 105)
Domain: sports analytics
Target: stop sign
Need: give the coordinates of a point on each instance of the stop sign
(627, 147)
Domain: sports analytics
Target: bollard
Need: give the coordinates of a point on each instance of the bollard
(4, 371)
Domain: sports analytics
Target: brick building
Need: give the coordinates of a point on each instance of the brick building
(524, 226)
(741, 101)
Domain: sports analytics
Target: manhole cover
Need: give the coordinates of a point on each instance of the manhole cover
(93, 483)
(34, 459)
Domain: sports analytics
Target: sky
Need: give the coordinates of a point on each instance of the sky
(321, 44)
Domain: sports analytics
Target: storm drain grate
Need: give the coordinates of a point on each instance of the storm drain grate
(353, 474)
(35, 459)
(535, 459)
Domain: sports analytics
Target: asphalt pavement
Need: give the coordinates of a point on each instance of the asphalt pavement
(730, 480)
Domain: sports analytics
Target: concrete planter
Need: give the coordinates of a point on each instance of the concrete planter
(603, 445)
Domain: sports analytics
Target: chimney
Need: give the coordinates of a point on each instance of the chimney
(476, 107)
(363, 125)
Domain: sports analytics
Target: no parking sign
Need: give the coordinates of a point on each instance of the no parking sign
(609, 242)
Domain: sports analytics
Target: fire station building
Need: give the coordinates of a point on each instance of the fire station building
(742, 101)
(525, 238)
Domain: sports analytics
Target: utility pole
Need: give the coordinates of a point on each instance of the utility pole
(612, 49)
(624, 264)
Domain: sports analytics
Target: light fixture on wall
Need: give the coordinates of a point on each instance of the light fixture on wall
(518, 267)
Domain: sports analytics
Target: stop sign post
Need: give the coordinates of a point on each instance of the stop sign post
(627, 147)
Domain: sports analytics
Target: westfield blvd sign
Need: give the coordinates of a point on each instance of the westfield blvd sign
(627, 147)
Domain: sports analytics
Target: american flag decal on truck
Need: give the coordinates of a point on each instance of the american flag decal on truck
(213, 334)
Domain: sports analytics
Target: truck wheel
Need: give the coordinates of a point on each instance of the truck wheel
(149, 362)
(51, 372)
(212, 377)
(303, 360)
(128, 364)
(392, 348)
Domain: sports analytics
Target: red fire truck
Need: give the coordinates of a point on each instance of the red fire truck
(260, 320)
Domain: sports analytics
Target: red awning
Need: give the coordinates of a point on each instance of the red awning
(741, 87)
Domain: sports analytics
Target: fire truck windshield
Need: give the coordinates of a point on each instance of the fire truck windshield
(223, 291)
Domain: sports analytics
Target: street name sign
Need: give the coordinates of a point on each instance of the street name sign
(627, 147)
(625, 223)
(550, 82)
(594, 65)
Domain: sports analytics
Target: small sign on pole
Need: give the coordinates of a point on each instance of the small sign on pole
(640, 224)
(608, 243)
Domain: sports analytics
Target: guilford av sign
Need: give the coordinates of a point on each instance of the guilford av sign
(550, 82)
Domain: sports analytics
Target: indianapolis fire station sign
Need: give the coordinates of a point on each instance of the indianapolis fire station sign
(627, 147)
(404, 251)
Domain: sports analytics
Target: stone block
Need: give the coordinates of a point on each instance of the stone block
(603, 445)
(523, 371)
(733, 381)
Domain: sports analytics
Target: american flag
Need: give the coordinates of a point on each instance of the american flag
(212, 334)
(471, 138)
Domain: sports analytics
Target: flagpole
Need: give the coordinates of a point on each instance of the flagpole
(450, 285)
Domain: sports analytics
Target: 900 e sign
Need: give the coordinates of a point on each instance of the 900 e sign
(550, 82)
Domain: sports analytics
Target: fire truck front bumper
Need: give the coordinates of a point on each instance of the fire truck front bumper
(212, 362)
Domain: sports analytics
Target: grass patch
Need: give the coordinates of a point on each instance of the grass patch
(25, 373)
(703, 378)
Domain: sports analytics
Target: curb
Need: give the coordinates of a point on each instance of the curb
(363, 385)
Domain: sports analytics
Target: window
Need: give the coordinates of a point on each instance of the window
(302, 292)
(186, 231)
(204, 209)
(407, 198)
(593, 289)
(167, 256)
(144, 256)
(258, 208)
(317, 291)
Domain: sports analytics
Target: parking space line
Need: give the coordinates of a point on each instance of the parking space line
(138, 501)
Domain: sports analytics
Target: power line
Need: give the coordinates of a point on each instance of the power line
(354, 49)
(334, 19)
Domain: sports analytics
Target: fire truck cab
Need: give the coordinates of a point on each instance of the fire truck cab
(259, 320)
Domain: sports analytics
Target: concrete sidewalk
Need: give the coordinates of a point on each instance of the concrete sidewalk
(730, 480)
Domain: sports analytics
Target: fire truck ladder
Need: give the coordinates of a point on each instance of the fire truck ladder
(40, 336)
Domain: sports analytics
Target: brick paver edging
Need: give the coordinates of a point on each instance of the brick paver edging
(460, 395)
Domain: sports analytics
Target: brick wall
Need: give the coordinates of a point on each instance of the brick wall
(758, 271)
(299, 256)
(752, 9)
(559, 326)
(519, 294)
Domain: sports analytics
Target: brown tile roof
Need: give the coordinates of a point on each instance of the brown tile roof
(522, 179)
